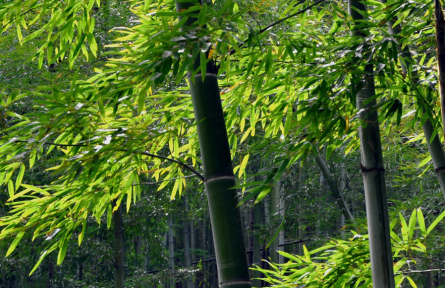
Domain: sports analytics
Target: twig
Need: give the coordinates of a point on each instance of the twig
(421, 271)
(55, 144)
(432, 259)
(10, 21)
(174, 161)
(278, 22)
(123, 150)
(154, 183)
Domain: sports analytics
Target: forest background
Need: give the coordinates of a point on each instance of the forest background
(101, 161)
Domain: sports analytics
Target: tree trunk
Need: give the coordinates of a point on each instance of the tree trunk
(440, 42)
(171, 250)
(186, 235)
(281, 235)
(276, 214)
(256, 244)
(341, 188)
(333, 186)
(225, 217)
(118, 249)
(434, 145)
(301, 231)
(373, 174)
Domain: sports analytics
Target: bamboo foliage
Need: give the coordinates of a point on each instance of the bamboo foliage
(285, 85)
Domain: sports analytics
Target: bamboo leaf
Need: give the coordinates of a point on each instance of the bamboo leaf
(10, 189)
(435, 222)
(421, 221)
(413, 284)
(243, 165)
(82, 234)
(276, 233)
(412, 224)
(18, 180)
(404, 228)
(38, 262)
(62, 251)
(14, 243)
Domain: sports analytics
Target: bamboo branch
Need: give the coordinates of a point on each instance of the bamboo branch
(278, 22)
(422, 271)
(124, 150)
(160, 181)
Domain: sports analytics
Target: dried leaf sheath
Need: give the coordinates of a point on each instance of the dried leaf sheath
(440, 42)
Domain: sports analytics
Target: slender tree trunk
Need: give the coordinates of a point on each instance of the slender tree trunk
(281, 235)
(333, 186)
(342, 187)
(186, 235)
(50, 273)
(276, 214)
(256, 244)
(118, 249)
(301, 231)
(434, 145)
(171, 250)
(225, 217)
(373, 174)
(267, 221)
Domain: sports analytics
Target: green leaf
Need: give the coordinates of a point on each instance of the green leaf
(203, 62)
(412, 224)
(202, 15)
(413, 284)
(404, 228)
(19, 179)
(49, 51)
(62, 251)
(243, 165)
(10, 189)
(175, 189)
(421, 221)
(14, 243)
(280, 171)
(268, 65)
(435, 222)
(19, 33)
(276, 233)
(38, 262)
(399, 264)
(109, 215)
(129, 194)
(32, 157)
(82, 234)
(425, 161)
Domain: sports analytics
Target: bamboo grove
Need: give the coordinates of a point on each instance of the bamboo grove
(186, 89)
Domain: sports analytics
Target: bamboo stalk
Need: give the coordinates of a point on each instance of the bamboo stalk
(119, 277)
(440, 42)
(333, 186)
(434, 145)
(225, 216)
(373, 173)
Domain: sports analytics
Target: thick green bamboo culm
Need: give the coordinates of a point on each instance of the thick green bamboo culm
(440, 43)
(373, 172)
(119, 271)
(225, 216)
